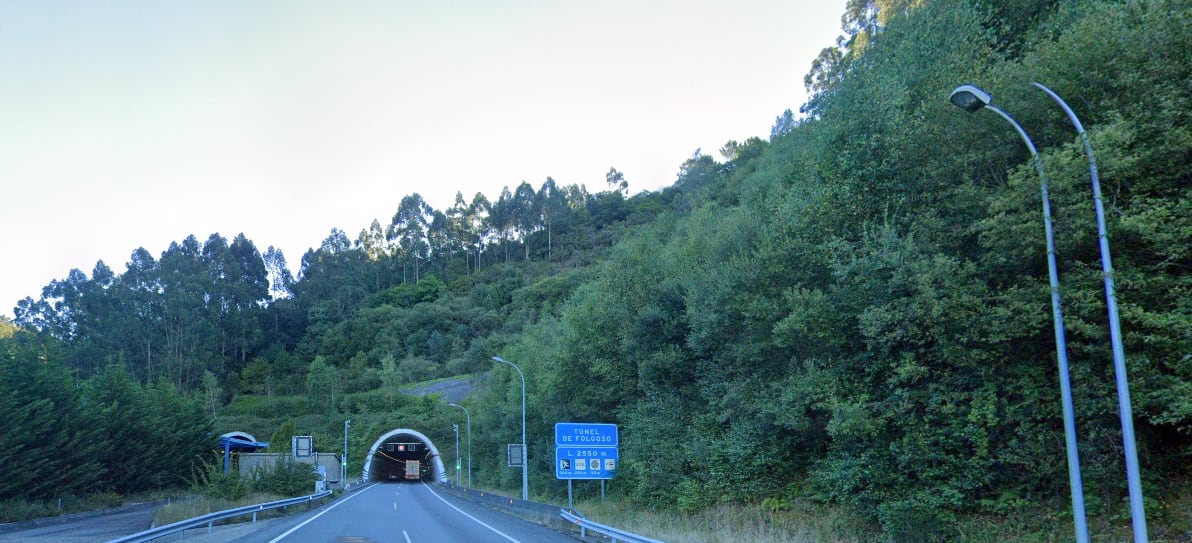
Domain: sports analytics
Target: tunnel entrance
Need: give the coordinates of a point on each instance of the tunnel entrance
(404, 455)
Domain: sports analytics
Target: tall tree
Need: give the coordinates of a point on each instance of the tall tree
(189, 341)
(408, 231)
(502, 219)
(616, 181)
(480, 225)
(441, 244)
(552, 204)
(143, 304)
(280, 278)
(783, 125)
(527, 216)
(248, 293)
(459, 230)
(330, 287)
(220, 298)
(372, 243)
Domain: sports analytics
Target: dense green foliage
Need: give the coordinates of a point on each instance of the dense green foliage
(855, 311)
(63, 437)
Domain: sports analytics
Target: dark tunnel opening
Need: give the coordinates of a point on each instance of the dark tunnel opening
(402, 458)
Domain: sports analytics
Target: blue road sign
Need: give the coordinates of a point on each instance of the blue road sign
(585, 462)
(585, 450)
(581, 434)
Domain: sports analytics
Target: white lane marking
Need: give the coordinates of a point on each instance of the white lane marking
(395, 506)
(403, 532)
(474, 519)
(312, 519)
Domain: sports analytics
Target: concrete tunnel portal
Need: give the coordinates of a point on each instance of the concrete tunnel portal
(388, 457)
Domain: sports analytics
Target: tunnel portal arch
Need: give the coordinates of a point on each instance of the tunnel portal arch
(403, 435)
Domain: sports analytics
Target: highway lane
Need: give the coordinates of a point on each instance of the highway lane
(403, 513)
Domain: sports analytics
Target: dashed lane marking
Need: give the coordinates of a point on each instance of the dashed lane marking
(312, 519)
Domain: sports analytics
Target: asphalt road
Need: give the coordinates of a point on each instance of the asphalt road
(85, 528)
(402, 513)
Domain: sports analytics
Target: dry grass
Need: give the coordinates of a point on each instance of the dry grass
(817, 523)
(198, 506)
(15, 510)
(802, 521)
(731, 523)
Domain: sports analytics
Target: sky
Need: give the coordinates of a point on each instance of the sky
(127, 124)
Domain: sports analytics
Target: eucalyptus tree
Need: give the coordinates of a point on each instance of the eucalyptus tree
(458, 231)
(331, 285)
(527, 218)
(248, 293)
(189, 331)
(408, 232)
(616, 181)
(143, 306)
(480, 229)
(221, 270)
(441, 243)
(371, 242)
(502, 219)
(551, 204)
(281, 280)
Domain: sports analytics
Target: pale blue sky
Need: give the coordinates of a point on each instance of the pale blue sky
(128, 124)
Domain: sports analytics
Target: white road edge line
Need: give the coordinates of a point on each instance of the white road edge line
(474, 519)
(312, 519)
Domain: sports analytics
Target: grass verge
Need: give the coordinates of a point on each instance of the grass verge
(198, 506)
(732, 523)
(811, 522)
(17, 510)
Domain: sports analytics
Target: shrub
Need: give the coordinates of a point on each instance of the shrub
(211, 481)
(911, 521)
(285, 477)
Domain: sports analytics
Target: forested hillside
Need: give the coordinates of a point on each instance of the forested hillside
(854, 312)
